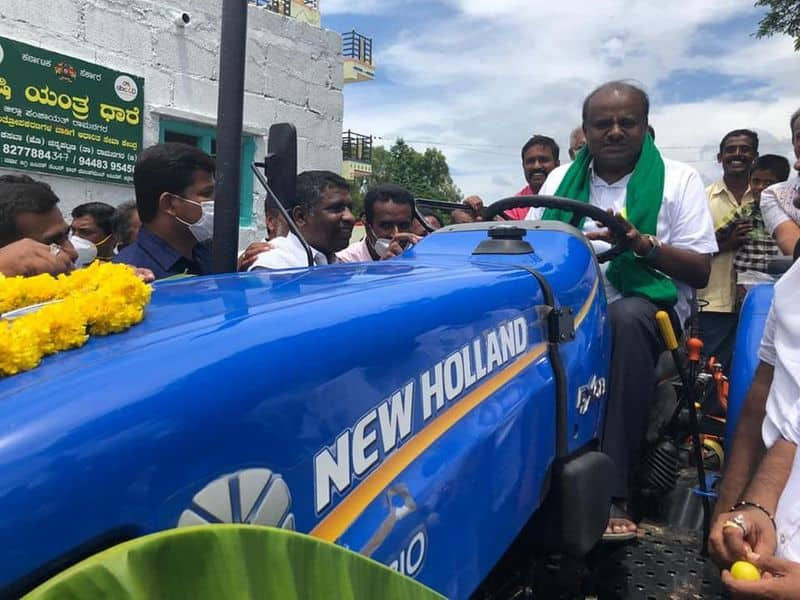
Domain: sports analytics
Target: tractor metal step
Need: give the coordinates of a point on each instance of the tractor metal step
(662, 564)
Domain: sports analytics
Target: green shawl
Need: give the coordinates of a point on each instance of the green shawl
(631, 276)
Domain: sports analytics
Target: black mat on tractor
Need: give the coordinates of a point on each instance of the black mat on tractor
(665, 562)
(661, 564)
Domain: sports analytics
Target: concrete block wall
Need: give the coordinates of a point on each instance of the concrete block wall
(293, 73)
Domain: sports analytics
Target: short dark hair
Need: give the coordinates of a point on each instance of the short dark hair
(312, 184)
(271, 207)
(121, 222)
(617, 85)
(18, 178)
(542, 140)
(102, 213)
(736, 133)
(19, 198)
(386, 192)
(168, 167)
(777, 165)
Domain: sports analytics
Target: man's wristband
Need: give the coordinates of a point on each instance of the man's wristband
(655, 248)
(756, 505)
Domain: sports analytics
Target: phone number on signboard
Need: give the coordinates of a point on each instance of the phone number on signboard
(83, 161)
(27, 152)
(105, 165)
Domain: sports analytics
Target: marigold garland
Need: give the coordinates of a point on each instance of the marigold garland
(100, 299)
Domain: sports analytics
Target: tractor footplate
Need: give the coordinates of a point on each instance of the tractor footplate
(661, 564)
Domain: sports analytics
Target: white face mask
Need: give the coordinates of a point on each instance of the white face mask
(203, 228)
(381, 246)
(86, 250)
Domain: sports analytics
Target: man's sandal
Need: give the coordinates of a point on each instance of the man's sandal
(618, 513)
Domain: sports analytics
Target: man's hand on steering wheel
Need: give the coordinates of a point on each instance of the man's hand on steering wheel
(620, 232)
(638, 243)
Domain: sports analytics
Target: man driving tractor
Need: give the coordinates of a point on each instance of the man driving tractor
(662, 205)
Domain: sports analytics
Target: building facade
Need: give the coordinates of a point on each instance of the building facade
(293, 74)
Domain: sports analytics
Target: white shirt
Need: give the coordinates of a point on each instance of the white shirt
(780, 347)
(286, 253)
(684, 220)
(777, 203)
(787, 516)
(766, 350)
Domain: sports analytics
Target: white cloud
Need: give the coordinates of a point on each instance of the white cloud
(494, 72)
(339, 7)
(362, 7)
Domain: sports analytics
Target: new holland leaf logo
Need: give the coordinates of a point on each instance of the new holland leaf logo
(253, 496)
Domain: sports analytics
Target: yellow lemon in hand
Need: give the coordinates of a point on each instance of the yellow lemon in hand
(744, 570)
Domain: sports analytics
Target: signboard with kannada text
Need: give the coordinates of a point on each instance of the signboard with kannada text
(65, 116)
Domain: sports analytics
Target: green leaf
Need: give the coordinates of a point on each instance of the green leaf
(233, 562)
(782, 17)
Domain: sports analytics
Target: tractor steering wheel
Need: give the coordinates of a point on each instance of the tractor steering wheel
(579, 210)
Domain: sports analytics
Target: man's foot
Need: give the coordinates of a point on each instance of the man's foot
(621, 527)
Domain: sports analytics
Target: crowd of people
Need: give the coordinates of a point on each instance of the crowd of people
(684, 238)
(35, 237)
(168, 230)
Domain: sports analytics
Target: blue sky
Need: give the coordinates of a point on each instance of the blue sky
(476, 78)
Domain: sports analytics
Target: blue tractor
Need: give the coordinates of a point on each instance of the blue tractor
(420, 411)
(440, 413)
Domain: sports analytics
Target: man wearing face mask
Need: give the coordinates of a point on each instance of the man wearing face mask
(322, 212)
(389, 213)
(92, 232)
(174, 186)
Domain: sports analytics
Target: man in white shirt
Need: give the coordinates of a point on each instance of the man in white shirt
(620, 170)
(323, 215)
(766, 519)
(781, 214)
(389, 214)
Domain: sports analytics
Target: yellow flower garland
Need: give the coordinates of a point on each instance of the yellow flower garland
(100, 299)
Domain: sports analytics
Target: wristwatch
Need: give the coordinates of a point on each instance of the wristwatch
(655, 247)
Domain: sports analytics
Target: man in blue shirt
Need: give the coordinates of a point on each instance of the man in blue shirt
(175, 199)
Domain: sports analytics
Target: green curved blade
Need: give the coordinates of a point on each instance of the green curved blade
(229, 562)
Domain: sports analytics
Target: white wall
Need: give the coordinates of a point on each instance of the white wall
(293, 73)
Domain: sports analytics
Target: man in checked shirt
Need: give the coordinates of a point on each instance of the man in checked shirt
(759, 246)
